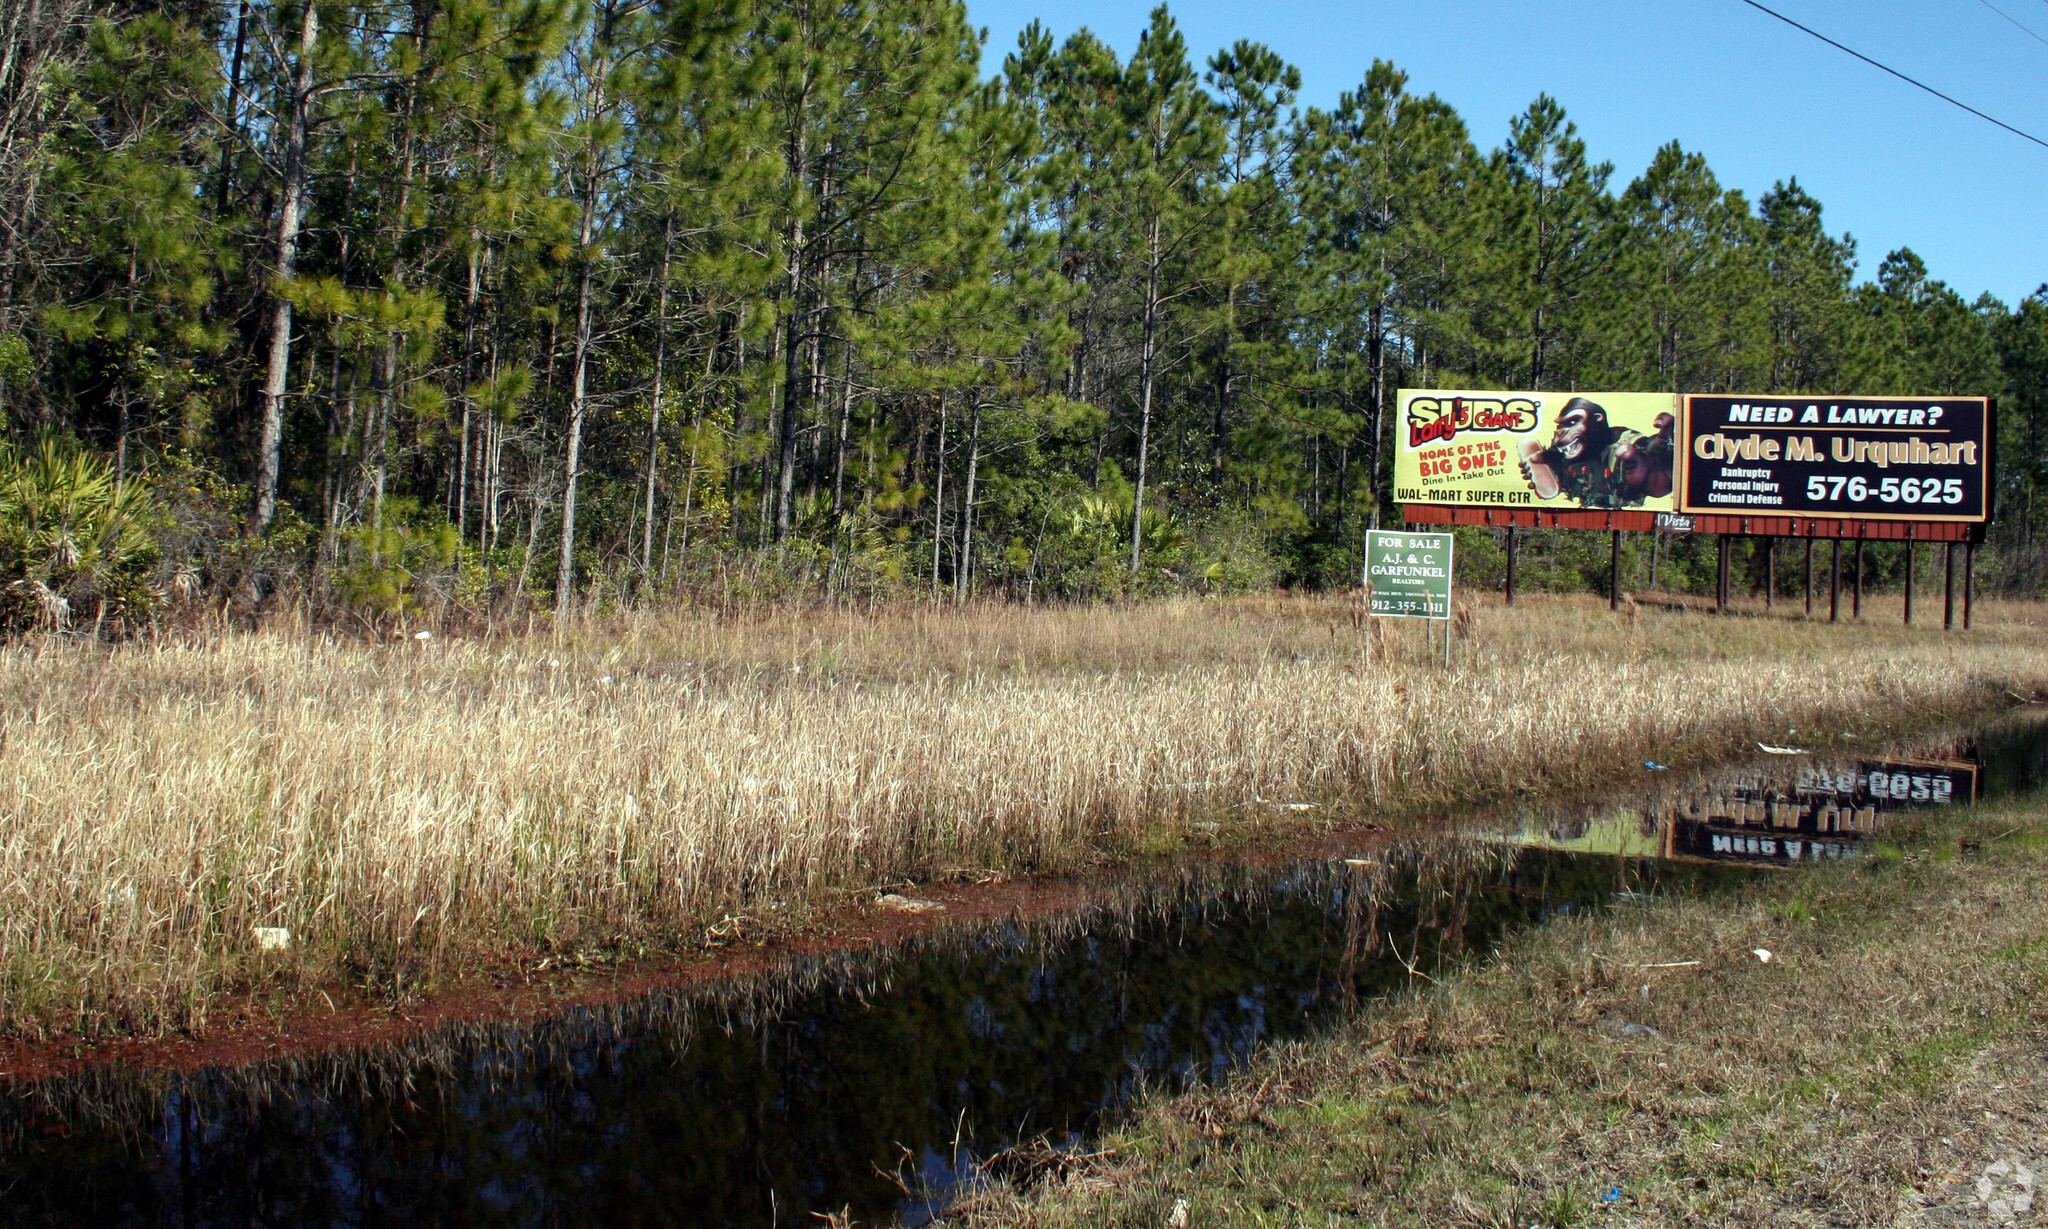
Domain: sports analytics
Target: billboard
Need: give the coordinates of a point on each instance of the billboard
(1557, 452)
(1870, 458)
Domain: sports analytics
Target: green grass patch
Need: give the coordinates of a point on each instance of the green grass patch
(1787, 1092)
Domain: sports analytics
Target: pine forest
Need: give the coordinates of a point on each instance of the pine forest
(487, 309)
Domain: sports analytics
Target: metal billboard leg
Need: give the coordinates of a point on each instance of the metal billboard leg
(1948, 587)
(1912, 559)
(1614, 574)
(1770, 573)
(1856, 598)
(1809, 573)
(1969, 581)
(1511, 565)
(1835, 583)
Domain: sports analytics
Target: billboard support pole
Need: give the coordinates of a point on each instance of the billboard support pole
(1911, 558)
(1969, 581)
(1835, 583)
(1721, 573)
(1614, 574)
(1511, 565)
(1948, 587)
(1771, 573)
(1809, 576)
(1856, 598)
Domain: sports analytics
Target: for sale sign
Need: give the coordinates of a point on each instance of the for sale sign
(1408, 575)
(1862, 458)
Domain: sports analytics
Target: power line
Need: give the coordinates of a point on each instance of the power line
(1896, 73)
(2014, 20)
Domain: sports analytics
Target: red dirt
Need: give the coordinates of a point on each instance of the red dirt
(251, 1033)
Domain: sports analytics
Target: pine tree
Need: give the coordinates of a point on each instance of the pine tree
(1688, 279)
(635, 280)
(1808, 274)
(1553, 237)
(1166, 204)
(144, 272)
(292, 123)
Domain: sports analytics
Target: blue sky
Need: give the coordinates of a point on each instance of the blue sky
(1891, 165)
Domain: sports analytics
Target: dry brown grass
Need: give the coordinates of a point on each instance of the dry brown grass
(407, 810)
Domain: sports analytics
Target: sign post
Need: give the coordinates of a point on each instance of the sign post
(1408, 576)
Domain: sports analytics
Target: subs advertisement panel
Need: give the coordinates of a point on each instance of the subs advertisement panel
(1557, 452)
(1869, 458)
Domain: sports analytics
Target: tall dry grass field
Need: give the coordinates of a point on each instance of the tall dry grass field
(409, 809)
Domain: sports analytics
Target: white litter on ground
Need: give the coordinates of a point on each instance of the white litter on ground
(905, 904)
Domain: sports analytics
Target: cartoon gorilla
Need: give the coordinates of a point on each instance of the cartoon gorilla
(1598, 464)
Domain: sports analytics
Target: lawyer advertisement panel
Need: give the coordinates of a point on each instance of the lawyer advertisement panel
(1555, 452)
(1869, 458)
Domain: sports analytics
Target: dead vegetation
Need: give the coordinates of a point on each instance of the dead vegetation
(393, 813)
(1881, 1067)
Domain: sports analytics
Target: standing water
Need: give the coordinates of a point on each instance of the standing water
(873, 1083)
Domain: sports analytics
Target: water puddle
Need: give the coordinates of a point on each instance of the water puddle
(864, 1082)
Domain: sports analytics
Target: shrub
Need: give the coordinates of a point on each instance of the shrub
(74, 540)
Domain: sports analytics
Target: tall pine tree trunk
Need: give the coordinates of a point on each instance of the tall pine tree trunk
(1220, 433)
(298, 118)
(461, 492)
(964, 561)
(1147, 360)
(341, 441)
(572, 456)
(225, 185)
(1376, 341)
(793, 384)
(341, 415)
(668, 232)
(939, 499)
(792, 348)
(736, 406)
(579, 377)
(387, 406)
(845, 422)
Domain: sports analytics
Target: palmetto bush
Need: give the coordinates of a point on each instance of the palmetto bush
(76, 545)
